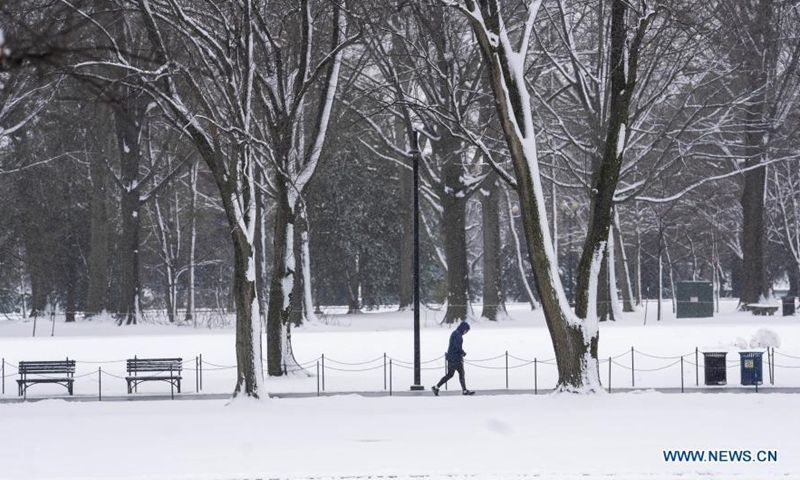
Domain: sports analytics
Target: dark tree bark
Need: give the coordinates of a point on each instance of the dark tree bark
(128, 123)
(756, 50)
(277, 314)
(71, 297)
(454, 209)
(606, 175)
(753, 280)
(98, 257)
(493, 295)
(575, 347)
(605, 311)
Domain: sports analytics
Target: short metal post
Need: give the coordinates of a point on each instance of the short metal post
(323, 372)
(171, 384)
(3, 368)
(506, 369)
(201, 372)
(390, 377)
(384, 370)
(769, 364)
(196, 376)
(100, 384)
(609, 374)
(535, 376)
(772, 371)
(318, 378)
(633, 370)
(681, 373)
(696, 367)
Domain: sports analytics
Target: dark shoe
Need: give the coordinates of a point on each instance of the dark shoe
(468, 392)
(435, 390)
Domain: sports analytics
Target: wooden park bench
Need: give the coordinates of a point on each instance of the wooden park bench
(759, 309)
(61, 372)
(154, 369)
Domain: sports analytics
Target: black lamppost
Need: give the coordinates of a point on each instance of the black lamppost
(417, 385)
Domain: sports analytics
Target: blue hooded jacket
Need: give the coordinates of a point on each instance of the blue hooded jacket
(455, 352)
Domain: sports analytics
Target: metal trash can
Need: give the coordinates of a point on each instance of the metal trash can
(716, 368)
(788, 306)
(752, 368)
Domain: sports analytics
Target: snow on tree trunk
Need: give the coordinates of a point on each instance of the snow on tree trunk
(518, 254)
(282, 281)
(574, 339)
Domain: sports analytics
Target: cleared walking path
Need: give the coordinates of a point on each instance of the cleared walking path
(401, 393)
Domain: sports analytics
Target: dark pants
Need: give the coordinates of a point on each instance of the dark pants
(452, 368)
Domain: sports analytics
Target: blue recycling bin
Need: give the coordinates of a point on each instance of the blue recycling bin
(752, 368)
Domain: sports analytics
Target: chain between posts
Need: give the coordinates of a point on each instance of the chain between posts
(387, 365)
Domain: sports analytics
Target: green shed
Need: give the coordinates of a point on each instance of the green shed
(695, 300)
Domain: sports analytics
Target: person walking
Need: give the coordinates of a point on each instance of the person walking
(455, 359)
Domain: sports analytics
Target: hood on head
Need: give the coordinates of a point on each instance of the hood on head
(463, 328)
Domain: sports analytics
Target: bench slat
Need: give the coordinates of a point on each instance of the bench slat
(136, 365)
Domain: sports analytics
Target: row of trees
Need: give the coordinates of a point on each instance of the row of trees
(256, 156)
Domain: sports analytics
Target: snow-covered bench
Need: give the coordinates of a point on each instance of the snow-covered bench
(762, 309)
(51, 371)
(155, 369)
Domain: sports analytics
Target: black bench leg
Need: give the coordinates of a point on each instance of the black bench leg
(179, 386)
(70, 388)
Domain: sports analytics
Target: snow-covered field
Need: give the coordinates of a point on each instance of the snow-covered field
(620, 436)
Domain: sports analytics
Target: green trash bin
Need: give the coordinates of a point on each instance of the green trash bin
(752, 368)
(715, 368)
(694, 300)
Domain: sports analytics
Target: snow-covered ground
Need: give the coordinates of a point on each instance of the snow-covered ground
(620, 436)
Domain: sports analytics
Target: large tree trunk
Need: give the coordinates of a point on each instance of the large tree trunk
(71, 300)
(574, 340)
(281, 283)
(455, 251)
(248, 319)
(454, 210)
(493, 298)
(605, 311)
(127, 129)
(753, 280)
(98, 256)
(756, 49)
